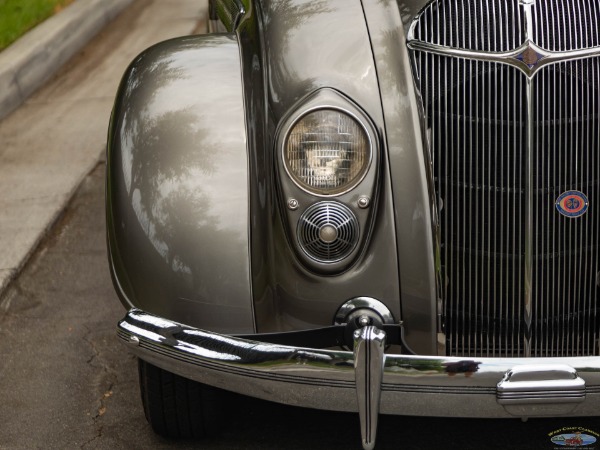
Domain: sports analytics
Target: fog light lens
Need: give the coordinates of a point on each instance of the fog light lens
(327, 152)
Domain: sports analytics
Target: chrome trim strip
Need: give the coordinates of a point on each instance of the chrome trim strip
(527, 8)
(325, 379)
(528, 259)
(529, 228)
(509, 58)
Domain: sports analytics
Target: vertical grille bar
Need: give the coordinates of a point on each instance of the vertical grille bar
(594, 182)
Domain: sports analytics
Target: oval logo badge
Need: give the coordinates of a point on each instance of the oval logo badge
(572, 204)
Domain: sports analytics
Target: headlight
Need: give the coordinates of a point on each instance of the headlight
(327, 152)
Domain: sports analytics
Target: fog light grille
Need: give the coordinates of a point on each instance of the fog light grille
(328, 232)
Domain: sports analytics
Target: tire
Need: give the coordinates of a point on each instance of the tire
(177, 407)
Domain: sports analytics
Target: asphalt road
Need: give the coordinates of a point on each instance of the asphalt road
(65, 381)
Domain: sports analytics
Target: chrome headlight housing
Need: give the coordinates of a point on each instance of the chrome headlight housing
(328, 164)
(327, 152)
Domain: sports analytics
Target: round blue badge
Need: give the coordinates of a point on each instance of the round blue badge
(572, 204)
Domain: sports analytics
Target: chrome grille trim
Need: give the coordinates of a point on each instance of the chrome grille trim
(505, 291)
(509, 58)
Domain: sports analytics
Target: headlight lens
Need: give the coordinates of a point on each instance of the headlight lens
(327, 152)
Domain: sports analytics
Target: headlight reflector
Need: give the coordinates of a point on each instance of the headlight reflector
(327, 152)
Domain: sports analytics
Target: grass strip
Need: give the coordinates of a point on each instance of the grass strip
(19, 16)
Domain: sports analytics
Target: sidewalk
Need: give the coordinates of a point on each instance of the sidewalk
(50, 143)
(35, 57)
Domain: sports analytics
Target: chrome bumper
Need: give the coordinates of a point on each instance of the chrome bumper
(353, 381)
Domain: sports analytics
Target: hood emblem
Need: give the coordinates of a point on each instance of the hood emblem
(572, 204)
(530, 56)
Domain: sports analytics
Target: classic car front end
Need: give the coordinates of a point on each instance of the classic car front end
(372, 206)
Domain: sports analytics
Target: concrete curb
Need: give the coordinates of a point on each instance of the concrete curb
(34, 58)
(31, 61)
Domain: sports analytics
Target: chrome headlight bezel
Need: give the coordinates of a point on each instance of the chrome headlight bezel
(366, 157)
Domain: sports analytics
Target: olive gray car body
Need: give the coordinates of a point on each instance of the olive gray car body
(201, 217)
(233, 91)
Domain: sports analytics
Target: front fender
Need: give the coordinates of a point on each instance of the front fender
(177, 178)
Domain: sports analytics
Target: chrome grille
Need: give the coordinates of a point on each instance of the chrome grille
(505, 143)
(487, 25)
(566, 137)
(497, 26)
(563, 25)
